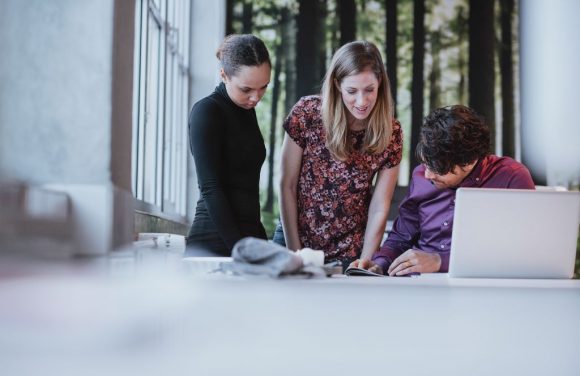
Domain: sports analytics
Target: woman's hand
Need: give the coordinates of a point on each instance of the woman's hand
(366, 264)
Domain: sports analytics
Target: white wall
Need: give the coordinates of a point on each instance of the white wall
(550, 89)
(56, 90)
(66, 71)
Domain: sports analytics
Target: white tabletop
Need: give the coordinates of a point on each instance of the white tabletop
(135, 320)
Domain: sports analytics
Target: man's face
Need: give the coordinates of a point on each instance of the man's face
(451, 179)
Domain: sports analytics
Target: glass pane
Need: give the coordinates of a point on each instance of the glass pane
(151, 113)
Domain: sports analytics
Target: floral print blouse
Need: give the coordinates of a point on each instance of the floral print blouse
(334, 196)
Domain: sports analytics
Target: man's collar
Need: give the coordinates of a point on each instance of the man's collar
(473, 179)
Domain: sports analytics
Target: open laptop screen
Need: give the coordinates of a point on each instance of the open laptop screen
(512, 233)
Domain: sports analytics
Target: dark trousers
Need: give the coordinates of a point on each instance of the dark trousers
(206, 245)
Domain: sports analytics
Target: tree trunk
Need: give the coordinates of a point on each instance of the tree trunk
(391, 48)
(309, 35)
(289, 52)
(481, 62)
(347, 12)
(247, 15)
(269, 205)
(417, 85)
(229, 17)
(507, 79)
(335, 29)
(435, 75)
(461, 63)
(323, 12)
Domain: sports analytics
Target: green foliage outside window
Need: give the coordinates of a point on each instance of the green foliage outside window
(286, 26)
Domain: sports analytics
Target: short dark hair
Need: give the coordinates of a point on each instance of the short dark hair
(452, 136)
(239, 50)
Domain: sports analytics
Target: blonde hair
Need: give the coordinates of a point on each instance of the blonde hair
(353, 58)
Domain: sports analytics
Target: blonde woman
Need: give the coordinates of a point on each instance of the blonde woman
(335, 145)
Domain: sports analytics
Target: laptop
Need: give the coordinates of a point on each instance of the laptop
(514, 233)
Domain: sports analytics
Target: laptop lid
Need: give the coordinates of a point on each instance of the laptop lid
(513, 233)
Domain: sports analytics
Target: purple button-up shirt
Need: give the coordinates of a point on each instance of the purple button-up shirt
(426, 214)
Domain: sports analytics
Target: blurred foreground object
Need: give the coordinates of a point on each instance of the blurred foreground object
(35, 220)
(253, 256)
(64, 219)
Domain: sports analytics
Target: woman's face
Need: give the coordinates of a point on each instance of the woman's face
(359, 93)
(248, 85)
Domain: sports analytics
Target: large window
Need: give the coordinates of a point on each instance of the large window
(160, 103)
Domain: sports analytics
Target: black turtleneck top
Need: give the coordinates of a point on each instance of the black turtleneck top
(228, 150)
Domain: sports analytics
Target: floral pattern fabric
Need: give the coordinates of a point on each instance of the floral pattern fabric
(334, 196)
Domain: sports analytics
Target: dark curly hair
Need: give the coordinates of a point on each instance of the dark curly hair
(239, 50)
(452, 136)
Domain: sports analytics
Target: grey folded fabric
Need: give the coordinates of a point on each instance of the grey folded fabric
(260, 257)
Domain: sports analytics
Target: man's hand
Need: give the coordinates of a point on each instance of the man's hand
(415, 261)
(366, 264)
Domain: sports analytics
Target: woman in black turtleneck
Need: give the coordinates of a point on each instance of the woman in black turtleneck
(229, 150)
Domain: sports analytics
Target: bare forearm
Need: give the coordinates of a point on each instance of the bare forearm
(291, 164)
(378, 211)
(289, 216)
(374, 234)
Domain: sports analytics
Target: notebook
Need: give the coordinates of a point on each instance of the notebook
(512, 233)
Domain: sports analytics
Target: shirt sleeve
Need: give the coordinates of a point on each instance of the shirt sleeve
(404, 233)
(444, 268)
(206, 129)
(395, 147)
(295, 123)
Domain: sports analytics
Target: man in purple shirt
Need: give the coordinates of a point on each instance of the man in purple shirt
(454, 151)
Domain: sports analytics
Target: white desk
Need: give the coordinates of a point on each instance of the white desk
(119, 322)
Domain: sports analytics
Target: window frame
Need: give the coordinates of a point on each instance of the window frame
(160, 147)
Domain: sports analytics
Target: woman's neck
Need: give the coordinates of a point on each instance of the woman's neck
(355, 124)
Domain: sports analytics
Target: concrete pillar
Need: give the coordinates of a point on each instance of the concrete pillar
(66, 79)
(550, 57)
